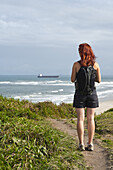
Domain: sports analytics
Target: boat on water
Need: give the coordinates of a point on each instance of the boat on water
(47, 76)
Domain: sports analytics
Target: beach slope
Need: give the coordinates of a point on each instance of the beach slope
(104, 106)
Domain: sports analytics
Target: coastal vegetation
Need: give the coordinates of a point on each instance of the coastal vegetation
(27, 140)
(104, 131)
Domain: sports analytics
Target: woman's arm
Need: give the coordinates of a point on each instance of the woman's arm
(98, 78)
(73, 74)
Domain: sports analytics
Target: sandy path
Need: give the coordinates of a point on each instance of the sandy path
(96, 159)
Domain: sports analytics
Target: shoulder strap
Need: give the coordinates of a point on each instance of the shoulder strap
(79, 62)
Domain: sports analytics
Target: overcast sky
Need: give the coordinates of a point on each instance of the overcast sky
(42, 36)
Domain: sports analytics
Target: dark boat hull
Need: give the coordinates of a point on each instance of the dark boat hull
(48, 76)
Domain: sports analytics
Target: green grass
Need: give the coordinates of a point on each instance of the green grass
(104, 131)
(12, 107)
(27, 140)
(104, 123)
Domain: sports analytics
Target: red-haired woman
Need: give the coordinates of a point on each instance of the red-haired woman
(85, 100)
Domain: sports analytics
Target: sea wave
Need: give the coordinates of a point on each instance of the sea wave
(56, 91)
(57, 99)
(52, 83)
(61, 90)
(104, 84)
(105, 92)
(5, 82)
(19, 83)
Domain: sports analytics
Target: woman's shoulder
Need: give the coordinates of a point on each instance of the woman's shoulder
(76, 66)
(96, 65)
(76, 63)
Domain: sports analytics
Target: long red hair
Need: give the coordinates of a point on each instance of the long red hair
(86, 54)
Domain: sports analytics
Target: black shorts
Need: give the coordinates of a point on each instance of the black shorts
(82, 101)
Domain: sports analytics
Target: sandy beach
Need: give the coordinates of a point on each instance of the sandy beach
(104, 106)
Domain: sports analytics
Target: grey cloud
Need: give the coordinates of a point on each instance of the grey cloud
(52, 22)
(36, 34)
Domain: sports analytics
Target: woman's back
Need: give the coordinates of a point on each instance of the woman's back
(77, 66)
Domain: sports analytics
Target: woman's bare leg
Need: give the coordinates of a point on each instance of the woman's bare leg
(91, 124)
(80, 124)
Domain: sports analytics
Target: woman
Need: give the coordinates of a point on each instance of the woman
(85, 100)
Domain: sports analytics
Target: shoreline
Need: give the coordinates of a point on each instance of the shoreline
(104, 106)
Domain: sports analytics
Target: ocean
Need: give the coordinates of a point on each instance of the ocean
(57, 90)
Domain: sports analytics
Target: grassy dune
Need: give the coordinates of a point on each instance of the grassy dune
(27, 141)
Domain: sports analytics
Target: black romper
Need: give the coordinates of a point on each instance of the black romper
(82, 101)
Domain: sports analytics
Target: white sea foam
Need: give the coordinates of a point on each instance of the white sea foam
(105, 92)
(51, 83)
(61, 90)
(54, 98)
(17, 97)
(54, 91)
(20, 83)
(5, 82)
(61, 84)
(106, 82)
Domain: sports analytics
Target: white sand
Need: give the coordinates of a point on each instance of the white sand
(104, 106)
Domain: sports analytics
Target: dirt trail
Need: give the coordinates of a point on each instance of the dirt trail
(97, 159)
